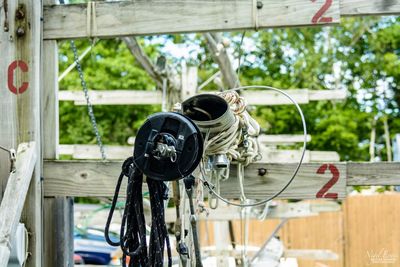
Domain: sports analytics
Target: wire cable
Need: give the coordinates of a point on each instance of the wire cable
(211, 187)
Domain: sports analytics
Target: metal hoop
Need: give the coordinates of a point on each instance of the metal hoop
(210, 187)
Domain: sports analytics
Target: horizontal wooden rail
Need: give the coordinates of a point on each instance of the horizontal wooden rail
(113, 19)
(268, 154)
(314, 180)
(282, 210)
(141, 97)
(14, 197)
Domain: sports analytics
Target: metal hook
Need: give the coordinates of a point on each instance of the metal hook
(13, 157)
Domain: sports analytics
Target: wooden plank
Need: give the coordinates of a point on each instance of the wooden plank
(277, 210)
(93, 178)
(282, 139)
(57, 212)
(369, 7)
(264, 139)
(50, 100)
(368, 173)
(292, 156)
(141, 97)
(8, 102)
(379, 216)
(113, 97)
(301, 96)
(188, 81)
(114, 152)
(311, 254)
(20, 79)
(14, 197)
(113, 19)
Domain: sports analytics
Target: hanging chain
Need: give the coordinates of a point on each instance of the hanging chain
(89, 104)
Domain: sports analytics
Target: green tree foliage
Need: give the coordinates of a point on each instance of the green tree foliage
(110, 66)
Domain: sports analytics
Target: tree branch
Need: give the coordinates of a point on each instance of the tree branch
(144, 60)
(221, 57)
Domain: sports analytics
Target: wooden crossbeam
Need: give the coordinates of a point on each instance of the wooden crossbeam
(314, 180)
(14, 197)
(268, 154)
(141, 97)
(282, 210)
(112, 19)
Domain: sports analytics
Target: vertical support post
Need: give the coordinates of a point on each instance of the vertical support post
(8, 101)
(58, 212)
(20, 43)
(189, 81)
(222, 237)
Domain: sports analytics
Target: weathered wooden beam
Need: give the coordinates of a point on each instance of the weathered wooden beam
(96, 179)
(92, 178)
(141, 97)
(114, 152)
(280, 211)
(57, 211)
(20, 83)
(282, 139)
(113, 97)
(111, 19)
(301, 96)
(380, 173)
(311, 254)
(369, 7)
(14, 197)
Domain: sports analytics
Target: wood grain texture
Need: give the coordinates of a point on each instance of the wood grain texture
(115, 152)
(369, 7)
(50, 100)
(371, 228)
(141, 97)
(142, 17)
(14, 197)
(277, 210)
(367, 173)
(93, 178)
(22, 112)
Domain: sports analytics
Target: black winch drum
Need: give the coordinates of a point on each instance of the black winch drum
(175, 130)
(210, 112)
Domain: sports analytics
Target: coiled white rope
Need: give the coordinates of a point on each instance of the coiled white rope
(238, 142)
(212, 187)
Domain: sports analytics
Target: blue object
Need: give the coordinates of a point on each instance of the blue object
(91, 245)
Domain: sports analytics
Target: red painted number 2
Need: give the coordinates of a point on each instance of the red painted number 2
(318, 17)
(323, 192)
(11, 71)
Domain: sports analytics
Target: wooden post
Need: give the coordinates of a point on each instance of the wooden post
(14, 197)
(189, 81)
(58, 217)
(20, 42)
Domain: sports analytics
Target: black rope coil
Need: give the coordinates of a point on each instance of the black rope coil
(133, 226)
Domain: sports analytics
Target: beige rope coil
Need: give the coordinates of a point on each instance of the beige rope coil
(238, 142)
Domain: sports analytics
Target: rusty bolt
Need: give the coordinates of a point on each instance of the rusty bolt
(20, 31)
(262, 171)
(259, 5)
(20, 14)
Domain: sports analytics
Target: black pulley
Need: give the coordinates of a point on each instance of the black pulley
(168, 146)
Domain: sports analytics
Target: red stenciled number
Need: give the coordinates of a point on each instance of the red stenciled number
(11, 71)
(322, 193)
(318, 17)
